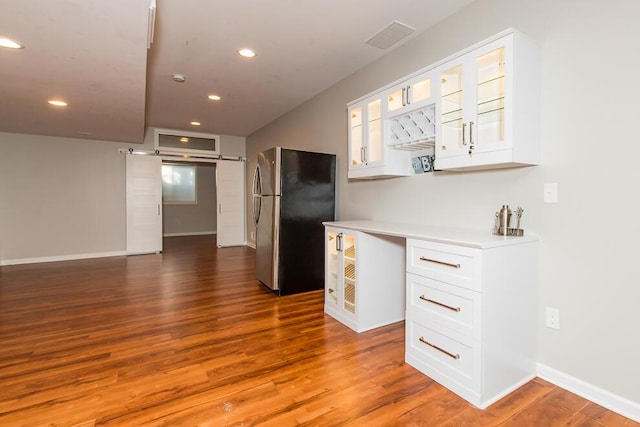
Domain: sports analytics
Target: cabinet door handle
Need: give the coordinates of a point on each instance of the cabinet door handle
(339, 242)
(404, 96)
(471, 133)
(362, 154)
(408, 95)
(435, 261)
(451, 355)
(464, 131)
(423, 298)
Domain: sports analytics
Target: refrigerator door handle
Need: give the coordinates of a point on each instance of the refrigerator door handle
(257, 208)
(256, 188)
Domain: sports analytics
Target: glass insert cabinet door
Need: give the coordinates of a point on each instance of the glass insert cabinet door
(365, 133)
(473, 103)
(356, 135)
(349, 269)
(409, 95)
(331, 285)
(373, 148)
(490, 97)
(340, 278)
(452, 108)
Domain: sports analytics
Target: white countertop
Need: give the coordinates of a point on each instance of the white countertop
(473, 238)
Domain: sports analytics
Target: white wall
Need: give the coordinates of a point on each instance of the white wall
(65, 197)
(590, 69)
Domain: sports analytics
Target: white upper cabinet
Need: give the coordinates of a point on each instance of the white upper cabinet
(409, 95)
(410, 113)
(489, 106)
(480, 108)
(368, 155)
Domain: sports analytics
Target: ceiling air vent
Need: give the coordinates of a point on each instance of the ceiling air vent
(390, 35)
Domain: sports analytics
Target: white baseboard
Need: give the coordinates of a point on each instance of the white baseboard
(60, 258)
(613, 402)
(251, 245)
(193, 233)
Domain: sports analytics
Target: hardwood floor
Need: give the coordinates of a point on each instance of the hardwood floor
(189, 338)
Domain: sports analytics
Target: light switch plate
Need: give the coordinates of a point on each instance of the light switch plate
(551, 192)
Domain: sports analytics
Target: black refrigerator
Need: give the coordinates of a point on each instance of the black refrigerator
(293, 193)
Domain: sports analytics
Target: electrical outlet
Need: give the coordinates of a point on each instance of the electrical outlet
(253, 235)
(553, 318)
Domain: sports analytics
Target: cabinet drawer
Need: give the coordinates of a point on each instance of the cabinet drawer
(443, 307)
(455, 360)
(447, 263)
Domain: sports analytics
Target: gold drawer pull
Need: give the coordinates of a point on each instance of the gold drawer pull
(423, 298)
(451, 355)
(448, 264)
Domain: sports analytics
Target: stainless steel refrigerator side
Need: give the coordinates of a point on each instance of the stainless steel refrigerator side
(264, 242)
(276, 243)
(263, 217)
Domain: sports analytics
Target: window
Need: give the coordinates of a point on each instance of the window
(178, 184)
(180, 142)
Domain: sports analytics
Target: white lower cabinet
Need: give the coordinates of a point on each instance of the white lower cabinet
(471, 316)
(364, 286)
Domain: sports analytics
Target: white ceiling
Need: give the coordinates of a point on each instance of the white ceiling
(92, 53)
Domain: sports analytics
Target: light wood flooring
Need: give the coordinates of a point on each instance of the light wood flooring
(189, 337)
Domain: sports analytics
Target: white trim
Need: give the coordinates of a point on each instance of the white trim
(251, 245)
(192, 233)
(611, 401)
(61, 258)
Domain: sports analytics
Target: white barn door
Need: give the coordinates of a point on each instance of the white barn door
(144, 204)
(230, 192)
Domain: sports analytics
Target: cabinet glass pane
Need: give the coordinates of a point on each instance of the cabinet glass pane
(394, 100)
(332, 269)
(420, 91)
(374, 124)
(452, 98)
(349, 288)
(355, 123)
(490, 97)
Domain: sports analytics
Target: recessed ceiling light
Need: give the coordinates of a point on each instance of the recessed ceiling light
(57, 102)
(247, 53)
(214, 97)
(184, 139)
(11, 44)
(196, 123)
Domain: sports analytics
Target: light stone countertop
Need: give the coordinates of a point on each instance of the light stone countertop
(473, 238)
